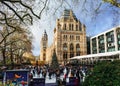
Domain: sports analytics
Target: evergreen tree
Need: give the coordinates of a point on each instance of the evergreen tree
(54, 63)
(104, 74)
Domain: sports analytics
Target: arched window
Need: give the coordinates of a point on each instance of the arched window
(72, 37)
(76, 27)
(80, 28)
(65, 46)
(65, 56)
(64, 27)
(77, 38)
(77, 50)
(77, 47)
(63, 37)
(69, 26)
(72, 27)
(71, 50)
(66, 37)
(71, 47)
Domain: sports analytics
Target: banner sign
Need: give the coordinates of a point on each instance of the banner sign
(17, 77)
(38, 82)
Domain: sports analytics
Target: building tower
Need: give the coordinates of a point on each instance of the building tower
(44, 45)
(69, 37)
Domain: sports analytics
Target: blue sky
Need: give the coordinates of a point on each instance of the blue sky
(95, 14)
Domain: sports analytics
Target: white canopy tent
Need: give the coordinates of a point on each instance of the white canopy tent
(97, 55)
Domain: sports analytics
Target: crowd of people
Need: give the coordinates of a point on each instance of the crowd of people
(63, 74)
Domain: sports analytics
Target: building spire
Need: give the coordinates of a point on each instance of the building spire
(45, 31)
(45, 34)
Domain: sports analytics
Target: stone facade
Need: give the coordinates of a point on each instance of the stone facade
(69, 39)
(44, 46)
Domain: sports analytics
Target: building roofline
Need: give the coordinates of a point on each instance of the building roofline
(105, 32)
(97, 55)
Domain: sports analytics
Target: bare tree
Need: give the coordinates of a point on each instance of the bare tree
(15, 44)
(20, 43)
(20, 11)
(23, 10)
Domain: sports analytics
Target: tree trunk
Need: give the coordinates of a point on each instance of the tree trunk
(11, 56)
(20, 57)
(4, 52)
(4, 57)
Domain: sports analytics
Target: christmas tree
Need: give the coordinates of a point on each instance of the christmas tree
(54, 63)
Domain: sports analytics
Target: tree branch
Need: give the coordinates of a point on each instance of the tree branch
(24, 5)
(31, 21)
(12, 10)
(58, 7)
(7, 25)
(43, 7)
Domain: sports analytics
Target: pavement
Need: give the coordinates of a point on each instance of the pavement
(52, 80)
